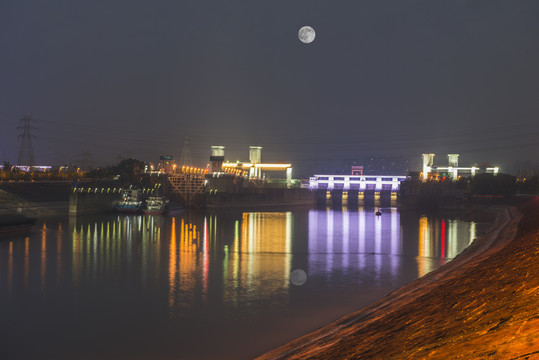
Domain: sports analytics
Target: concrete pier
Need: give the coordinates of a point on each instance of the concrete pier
(86, 203)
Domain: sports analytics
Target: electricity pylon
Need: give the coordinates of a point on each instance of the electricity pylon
(26, 151)
(185, 158)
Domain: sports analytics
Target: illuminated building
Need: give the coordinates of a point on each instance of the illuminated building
(253, 169)
(364, 182)
(167, 164)
(40, 168)
(452, 170)
(357, 170)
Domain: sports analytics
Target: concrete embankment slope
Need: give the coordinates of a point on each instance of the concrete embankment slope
(482, 305)
(34, 198)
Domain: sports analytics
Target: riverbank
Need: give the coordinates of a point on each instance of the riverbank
(481, 305)
(14, 204)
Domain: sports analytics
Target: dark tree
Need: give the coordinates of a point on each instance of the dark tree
(489, 184)
(129, 169)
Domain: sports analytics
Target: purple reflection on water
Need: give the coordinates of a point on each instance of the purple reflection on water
(157, 287)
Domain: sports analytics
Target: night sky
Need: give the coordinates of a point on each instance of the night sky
(382, 78)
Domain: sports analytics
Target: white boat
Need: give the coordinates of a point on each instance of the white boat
(155, 205)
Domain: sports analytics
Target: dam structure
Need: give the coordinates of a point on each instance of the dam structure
(252, 182)
(356, 190)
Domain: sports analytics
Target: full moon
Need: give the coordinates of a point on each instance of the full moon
(306, 34)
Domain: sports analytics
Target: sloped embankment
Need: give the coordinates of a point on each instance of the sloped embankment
(482, 305)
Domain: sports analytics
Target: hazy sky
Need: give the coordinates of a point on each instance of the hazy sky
(133, 78)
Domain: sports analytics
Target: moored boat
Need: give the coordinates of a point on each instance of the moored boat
(130, 202)
(155, 205)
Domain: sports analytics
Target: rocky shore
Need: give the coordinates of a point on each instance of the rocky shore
(482, 305)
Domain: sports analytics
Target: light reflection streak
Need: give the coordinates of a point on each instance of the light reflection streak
(378, 234)
(345, 237)
(377, 246)
(424, 246)
(93, 252)
(452, 238)
(361, 230)
(313, 231)
(472, 232)
(329, 246)
(269, 242)
(236, 262)
(157, 258)
(288, 249)
(206, 262)
(440, 239)
(59, 235)
(335, 232)
(75, 255)
(396, 244)
(250, 243)
(172, 265)
(10, 268)
(443, 239)
(257, 260)
(424, 235)
(126, 229)
(26, 261)
(225, 267)
(43, 256)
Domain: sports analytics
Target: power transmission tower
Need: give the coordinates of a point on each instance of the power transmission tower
(26, 151)
(185, 158)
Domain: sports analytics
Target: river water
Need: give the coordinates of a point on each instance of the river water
(214, 285)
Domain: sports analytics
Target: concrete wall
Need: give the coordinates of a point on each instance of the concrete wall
(355, 198)
(92, 203)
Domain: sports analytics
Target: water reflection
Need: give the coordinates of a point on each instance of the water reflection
(236, 256)
(440, 237)
(346, 237)
(214, 269)
(348, 234)
(103, 249)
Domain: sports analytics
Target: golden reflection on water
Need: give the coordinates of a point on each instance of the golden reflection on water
(241, 255)
(102, 248)
(440, 238)
(10, 267)
(43, 255)
(172, 264)
(257, 261)
(424, 245)
(183, 265)
(26, 261)
(59, 254)
(269, 235)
